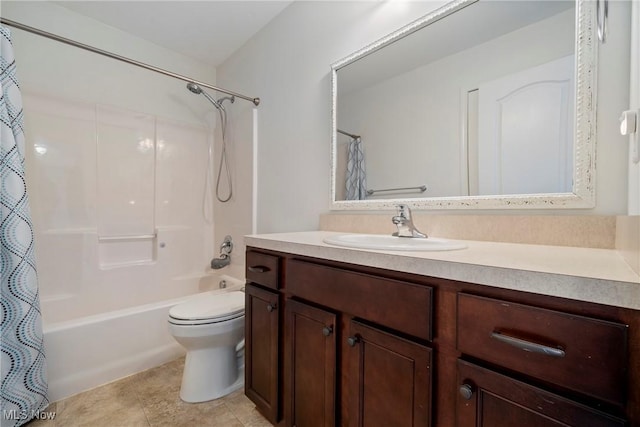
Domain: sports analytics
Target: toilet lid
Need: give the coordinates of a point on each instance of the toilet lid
(209, 305)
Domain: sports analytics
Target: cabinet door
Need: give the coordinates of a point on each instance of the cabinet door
(389, 379)
(262, 335)
(311, 365)
(489, 399)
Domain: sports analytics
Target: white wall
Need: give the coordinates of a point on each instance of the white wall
(287, 64)
(613, 98)
(634, 104)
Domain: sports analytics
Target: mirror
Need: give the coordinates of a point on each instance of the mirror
(480, 104)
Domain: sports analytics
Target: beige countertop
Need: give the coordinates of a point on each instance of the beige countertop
(584, 274)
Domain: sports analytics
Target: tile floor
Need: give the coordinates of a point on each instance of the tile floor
(150, 399)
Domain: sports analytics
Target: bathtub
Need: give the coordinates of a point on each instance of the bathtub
(89, 351)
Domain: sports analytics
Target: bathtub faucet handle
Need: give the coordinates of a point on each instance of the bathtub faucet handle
(227, 245)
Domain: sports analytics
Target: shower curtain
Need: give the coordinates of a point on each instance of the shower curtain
(23, 392)
(356, 178)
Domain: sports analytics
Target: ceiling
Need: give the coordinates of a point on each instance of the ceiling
(209, 31)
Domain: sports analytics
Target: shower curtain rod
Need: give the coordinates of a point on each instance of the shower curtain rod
(348, 134)
(256, 101)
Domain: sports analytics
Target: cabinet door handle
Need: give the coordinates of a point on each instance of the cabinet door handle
(258, 269)
(271, 307)
(327, 330)
(528, 345)
(466, 391)
(352, 341)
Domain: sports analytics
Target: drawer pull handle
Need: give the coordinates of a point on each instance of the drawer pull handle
(352, 341)
(258, 269)
(327, 330)
(466, 391)
(528, 345)
(271, 307)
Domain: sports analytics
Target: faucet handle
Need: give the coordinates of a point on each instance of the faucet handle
(405, 225)
(403, 211)
(227, 245)
(401, 217)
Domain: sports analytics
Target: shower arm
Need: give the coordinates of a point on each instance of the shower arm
(5, 21)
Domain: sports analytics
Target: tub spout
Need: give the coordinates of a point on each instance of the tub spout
(225, 254)
(223, 261)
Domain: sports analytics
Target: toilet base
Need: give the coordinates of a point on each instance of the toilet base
(221, 374)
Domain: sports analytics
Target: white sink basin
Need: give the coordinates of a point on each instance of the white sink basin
(393, 243)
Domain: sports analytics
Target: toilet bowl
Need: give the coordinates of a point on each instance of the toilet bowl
(210, 326)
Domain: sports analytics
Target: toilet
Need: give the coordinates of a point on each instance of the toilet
(211, 328)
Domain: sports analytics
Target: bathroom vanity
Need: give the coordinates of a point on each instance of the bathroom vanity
(348, 337)
(497, 334)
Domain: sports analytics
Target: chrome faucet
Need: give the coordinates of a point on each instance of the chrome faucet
(404, 223)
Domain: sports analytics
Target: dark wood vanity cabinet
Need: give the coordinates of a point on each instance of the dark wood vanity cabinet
(262, 334)
(310, 347)
(389, 379)
(359, 346)
(385, 381)
(350, 358)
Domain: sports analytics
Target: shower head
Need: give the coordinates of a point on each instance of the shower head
(198, 90)
(194, 88)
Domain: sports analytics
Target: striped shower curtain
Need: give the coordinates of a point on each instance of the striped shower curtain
(356, 177)
(22, 366)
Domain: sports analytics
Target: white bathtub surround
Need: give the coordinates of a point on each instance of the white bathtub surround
(584, 274)
(86, 352)
(165, 151)
(124, 231)
(144, 234)
(126, 154)
(116, 163)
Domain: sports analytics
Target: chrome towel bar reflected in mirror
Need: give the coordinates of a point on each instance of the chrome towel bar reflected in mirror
(421, 189)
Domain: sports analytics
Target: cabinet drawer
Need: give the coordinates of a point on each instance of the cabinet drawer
(582, 354)
(263, 269)
(487, 398)
(403, 306)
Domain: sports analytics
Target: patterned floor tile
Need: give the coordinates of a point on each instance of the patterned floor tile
(151, 399)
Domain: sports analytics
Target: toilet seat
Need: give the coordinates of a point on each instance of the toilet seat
(209, 307)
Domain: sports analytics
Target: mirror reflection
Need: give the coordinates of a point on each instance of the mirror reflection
(479, 103)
